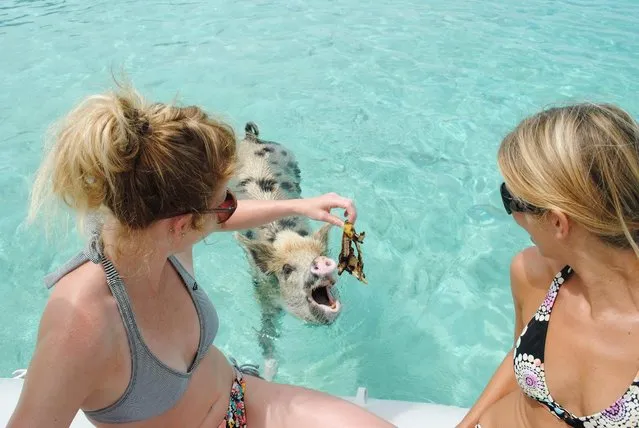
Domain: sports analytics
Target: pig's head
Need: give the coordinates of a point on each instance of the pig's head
(304, 274)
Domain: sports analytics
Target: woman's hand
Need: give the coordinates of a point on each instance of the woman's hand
(319, 208)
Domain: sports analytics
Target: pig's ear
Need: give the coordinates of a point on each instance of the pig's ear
(322, 234)
(261, 253)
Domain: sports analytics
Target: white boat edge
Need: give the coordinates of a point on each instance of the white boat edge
(402, 414)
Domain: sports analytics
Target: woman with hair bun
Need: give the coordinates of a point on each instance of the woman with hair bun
(127, 334)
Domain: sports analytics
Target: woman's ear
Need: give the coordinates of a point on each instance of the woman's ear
(179, 226)
(560, 223)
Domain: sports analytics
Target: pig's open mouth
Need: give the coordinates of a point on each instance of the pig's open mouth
(322, 296)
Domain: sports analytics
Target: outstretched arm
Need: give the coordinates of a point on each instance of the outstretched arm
(252, 213)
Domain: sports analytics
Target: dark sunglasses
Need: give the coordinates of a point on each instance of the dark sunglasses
(224, 211)
(514, 205)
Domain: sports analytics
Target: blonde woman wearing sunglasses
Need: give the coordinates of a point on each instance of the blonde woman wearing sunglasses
(127, 333)
(572, 183)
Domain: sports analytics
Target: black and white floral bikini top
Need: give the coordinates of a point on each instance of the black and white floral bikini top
(530, 373)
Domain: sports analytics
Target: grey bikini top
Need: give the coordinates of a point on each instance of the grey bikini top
(153, 386)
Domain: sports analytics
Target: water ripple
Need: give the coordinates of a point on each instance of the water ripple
(400, 106)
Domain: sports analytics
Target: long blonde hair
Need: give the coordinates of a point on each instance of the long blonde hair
(581, 159)
(117, 154)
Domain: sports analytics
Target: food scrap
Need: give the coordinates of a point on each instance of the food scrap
(348, 261)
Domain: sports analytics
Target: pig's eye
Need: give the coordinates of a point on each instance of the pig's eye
(287, 269)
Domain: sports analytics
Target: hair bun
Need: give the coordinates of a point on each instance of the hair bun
(133, 126)
(139, 122)
(145, 127)
(113, 153)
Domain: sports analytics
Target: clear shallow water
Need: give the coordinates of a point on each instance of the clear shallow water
(400, 105)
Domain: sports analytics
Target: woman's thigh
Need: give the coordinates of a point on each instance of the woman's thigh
(273, 405)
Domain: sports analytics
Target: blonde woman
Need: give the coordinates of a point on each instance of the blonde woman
(127, 333)
(572, 182)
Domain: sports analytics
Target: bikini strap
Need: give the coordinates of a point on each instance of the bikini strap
(544, 310)
(91, 252)
(95, 252)
(562, 276)
(191, 283)
(52, 278)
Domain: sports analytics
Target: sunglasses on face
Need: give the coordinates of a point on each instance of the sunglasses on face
(514, 205)
(224, 211)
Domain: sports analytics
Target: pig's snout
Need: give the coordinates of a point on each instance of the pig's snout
(323, 266)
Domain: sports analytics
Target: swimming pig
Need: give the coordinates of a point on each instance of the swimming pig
(289, 261)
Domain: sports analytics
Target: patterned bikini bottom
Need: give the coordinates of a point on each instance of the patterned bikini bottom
(236, 412)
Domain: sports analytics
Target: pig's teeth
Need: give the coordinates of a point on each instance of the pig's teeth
(331, 300)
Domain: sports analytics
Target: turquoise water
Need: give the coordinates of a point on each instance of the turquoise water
(400, 105)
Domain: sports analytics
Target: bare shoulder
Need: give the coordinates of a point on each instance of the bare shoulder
(80, 313)
(530, 276)
(75, 342)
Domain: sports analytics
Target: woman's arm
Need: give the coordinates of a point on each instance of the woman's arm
(252, 213)
(69, 356)
(503, 380)
(501, 383)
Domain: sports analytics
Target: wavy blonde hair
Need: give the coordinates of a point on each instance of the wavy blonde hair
(115, 153)
(581, 159)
